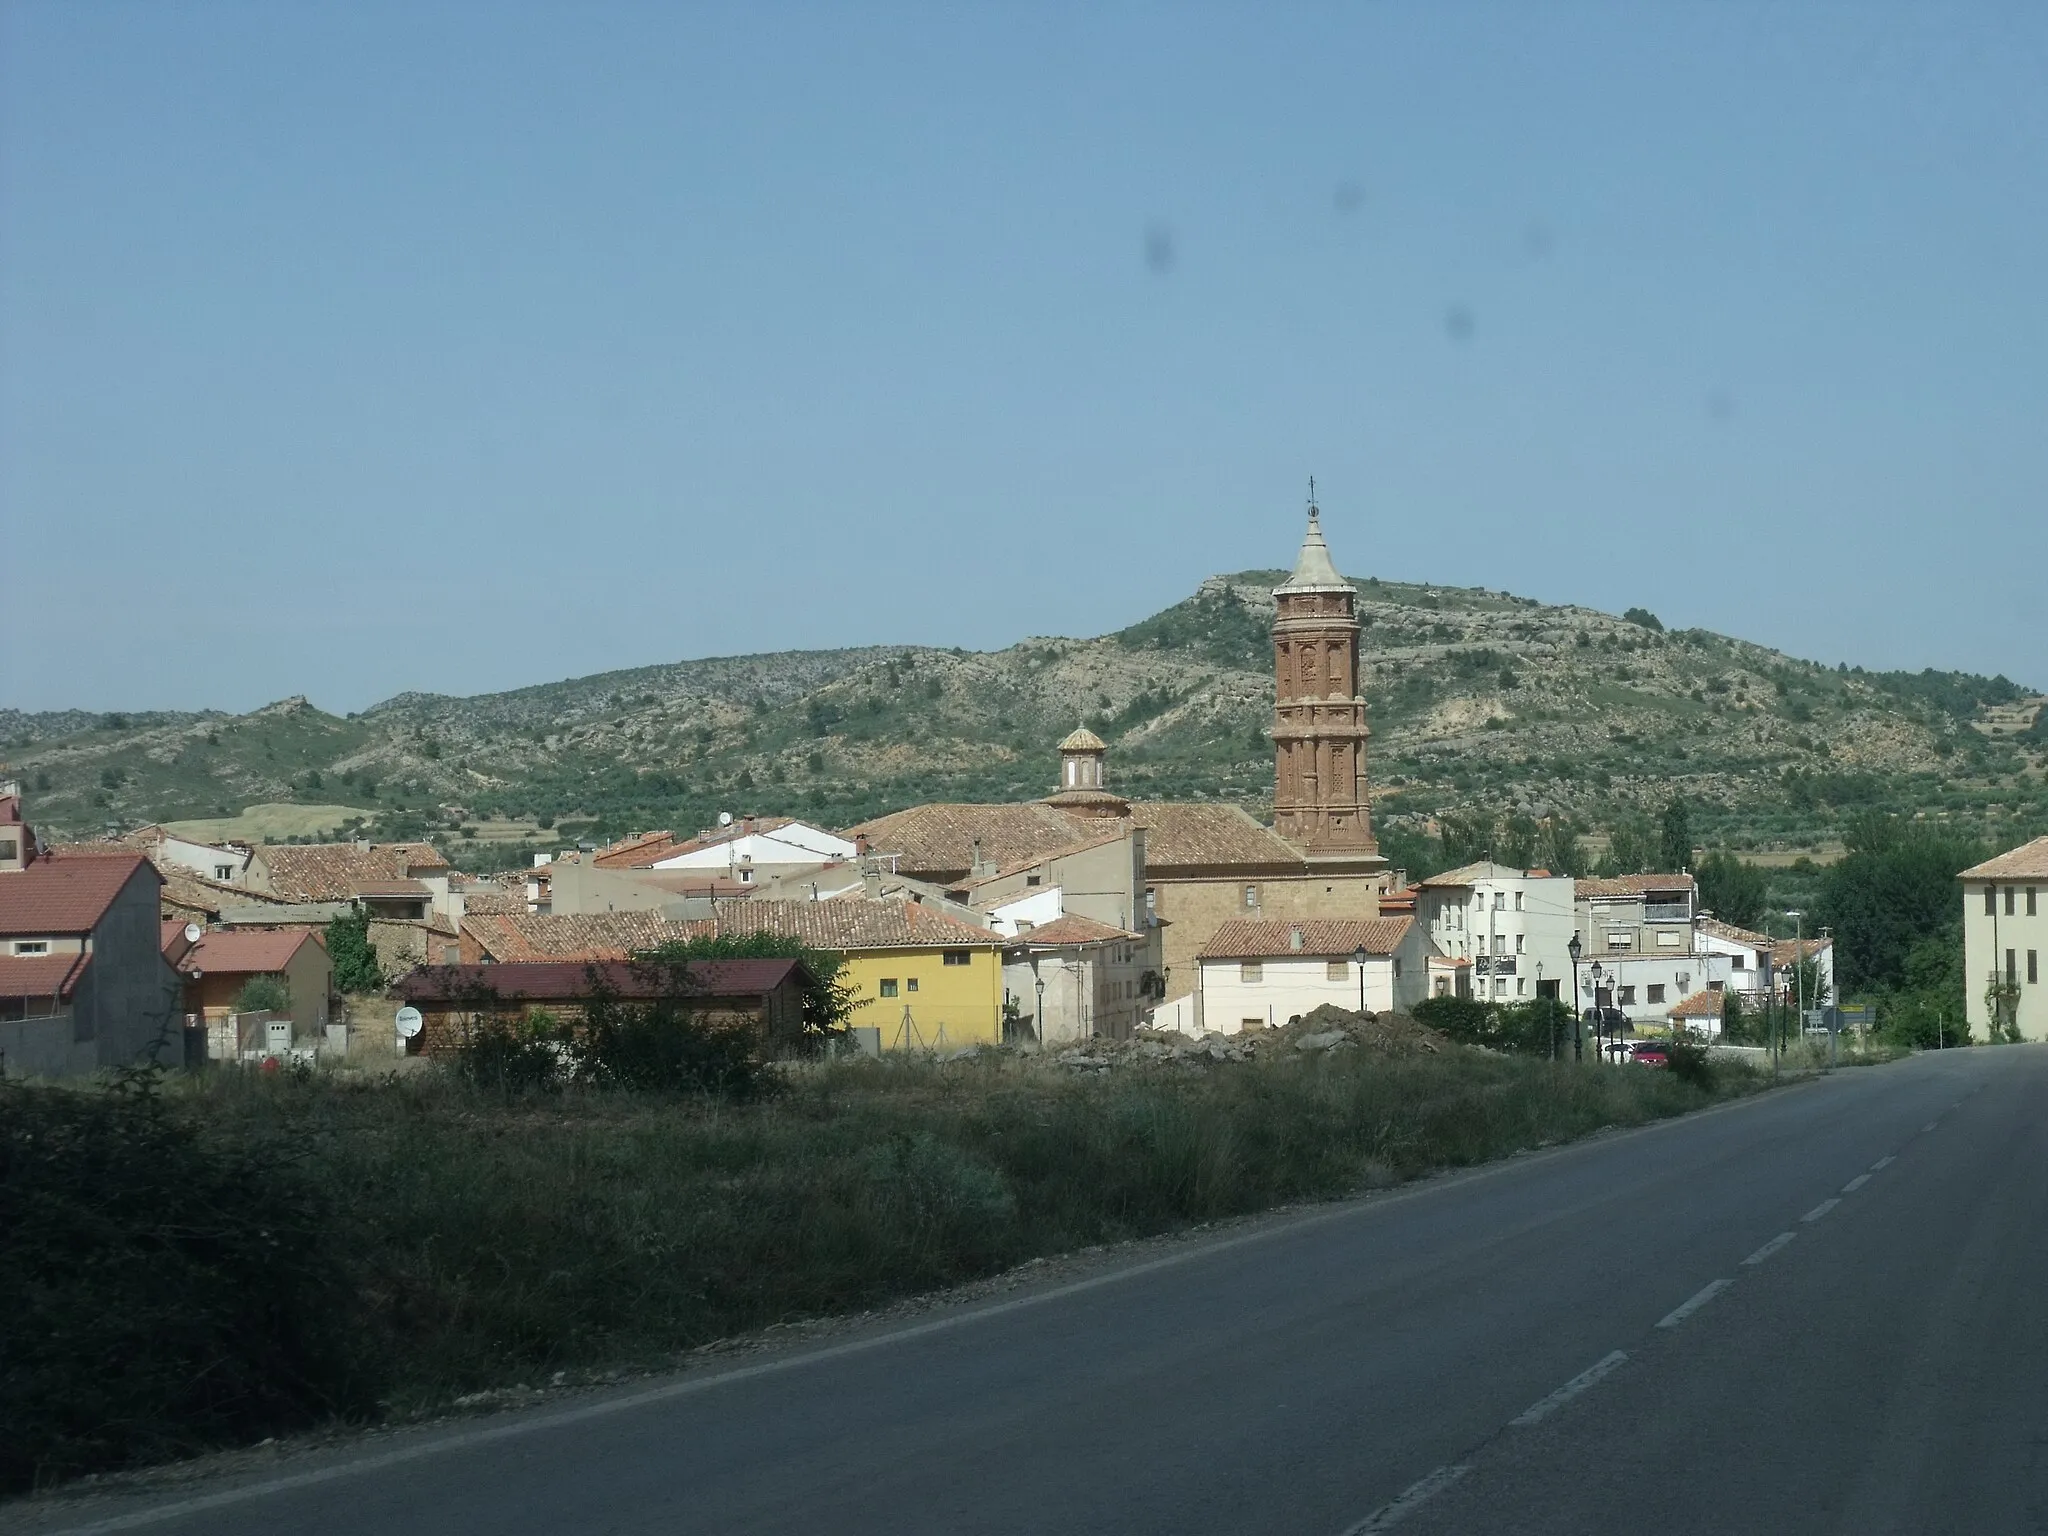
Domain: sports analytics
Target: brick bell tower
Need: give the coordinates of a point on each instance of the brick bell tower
(1321, 802)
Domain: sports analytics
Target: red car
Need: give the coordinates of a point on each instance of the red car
(1651, 1053)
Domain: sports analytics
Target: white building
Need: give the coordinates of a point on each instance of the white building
(1747, 954)
(1258, 973)
(1514, 925)
(2005, 935)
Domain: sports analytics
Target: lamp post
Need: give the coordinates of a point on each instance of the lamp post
(1358, 959)
(1599, 1013)
(1799, 969)
(1578, 1045)
(1040, 1019)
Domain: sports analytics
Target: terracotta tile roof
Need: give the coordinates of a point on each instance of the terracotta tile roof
(1786, 952)
(2029, 861)
(1205, 835)
(1114, 832)
(627, 850)
(1733, 934)
(1465, 874)
(1631, 885)
(1255, 938)
(516, 936)
(936, 842)
(390, 890)
(482, 899)
(252, 951)
(1083, 740)
(67, 892)
(569, 981)
(1073, 929)
(851, 922)
(332, 871)
(1701, 1005)
(31, 976)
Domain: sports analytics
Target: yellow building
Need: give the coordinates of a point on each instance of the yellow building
(921, 979)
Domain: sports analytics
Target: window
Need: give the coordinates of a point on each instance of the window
(2033, 968)
(1251, 895)
(2030, 902)
(31, 946)
(1521, 987)
(9, 848)
(1990, 901)
(2008, 901)
(1336, 970)
(223, 871)
(1521, 944)
(957, 957)
(1738, 963)
(1397, 965)
(1684, 980)
(2012, 969)
(1034, 879)
(888, 987)
(746, 877)
(1500, 900)
(1518, 901)
(910, 985)
(1620, 940)
(1251, 970)
(1654, 992)
(1624, 997)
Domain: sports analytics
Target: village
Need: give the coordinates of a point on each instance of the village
(1045, 924)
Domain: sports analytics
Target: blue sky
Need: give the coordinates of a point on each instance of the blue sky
(353, 349)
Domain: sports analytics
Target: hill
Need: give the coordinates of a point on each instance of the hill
(1483, 705)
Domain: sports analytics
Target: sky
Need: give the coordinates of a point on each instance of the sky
(351, 350)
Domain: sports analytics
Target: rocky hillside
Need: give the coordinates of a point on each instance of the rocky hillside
(1483, 705)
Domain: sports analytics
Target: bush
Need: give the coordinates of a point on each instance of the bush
(349, 951)
(264, 994)
(1687, 1060)
(165, 1289)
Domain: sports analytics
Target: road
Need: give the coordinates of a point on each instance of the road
(1814, 1311)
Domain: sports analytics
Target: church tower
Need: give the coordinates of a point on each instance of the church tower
(1320, 799)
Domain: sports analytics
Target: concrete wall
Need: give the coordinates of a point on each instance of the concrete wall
(1291, 985)
(949, 1005)
(577, 889)
(128, 1001)
(45, 1048)
(1987, 939)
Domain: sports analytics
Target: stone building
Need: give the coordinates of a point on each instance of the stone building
(1203, 863)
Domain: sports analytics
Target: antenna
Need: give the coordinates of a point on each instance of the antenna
(1311, 495)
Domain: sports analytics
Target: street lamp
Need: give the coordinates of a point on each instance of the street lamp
(1578, 1045)
(1599, 1011)
(1799, 967)
(1358, 959)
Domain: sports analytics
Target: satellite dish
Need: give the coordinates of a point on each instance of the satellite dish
(410, 1022)
(725, 818)
(193, 933)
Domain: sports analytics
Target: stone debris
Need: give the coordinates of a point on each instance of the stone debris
(1325, 1030)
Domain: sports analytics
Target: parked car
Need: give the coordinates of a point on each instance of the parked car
(1652, 1053)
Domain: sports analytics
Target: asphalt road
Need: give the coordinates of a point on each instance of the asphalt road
(1863, 1259)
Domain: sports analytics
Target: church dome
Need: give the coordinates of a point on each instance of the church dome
(1084, 740)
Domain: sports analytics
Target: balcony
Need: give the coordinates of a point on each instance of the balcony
(1667, 911)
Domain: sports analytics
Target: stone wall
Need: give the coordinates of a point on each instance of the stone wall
(1195, 909)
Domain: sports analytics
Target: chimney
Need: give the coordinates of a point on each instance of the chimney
(870, 881)
(1294, 939)
(860, 845)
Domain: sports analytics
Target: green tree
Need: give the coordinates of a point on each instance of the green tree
(264, 994)
(1630, 847)
(829, 999)
(1732, 890)
(1895, 888)
(1562, 853)
(1674, 832)
(350, 952)
(1645, 618)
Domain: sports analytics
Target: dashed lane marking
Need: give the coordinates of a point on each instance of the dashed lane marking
(1927, 1127)
(1881, 1162)
(1536, 1413)
(1770, 1248)
(1821, 1210)
(1856, 1183)
(1685, 1309)
(1391, 1514)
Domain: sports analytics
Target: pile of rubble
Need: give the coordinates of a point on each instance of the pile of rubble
(1326, 1028)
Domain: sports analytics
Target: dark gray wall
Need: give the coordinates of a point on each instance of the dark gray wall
(128, 999)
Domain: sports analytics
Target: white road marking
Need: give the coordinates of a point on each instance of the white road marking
(1820, 1210)
(1770, 1248)
(1856, 1183)
(1389, 1515)
(1881, 1162)
(1686, 1309)
(1536, 1413)
(1926, 1128)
